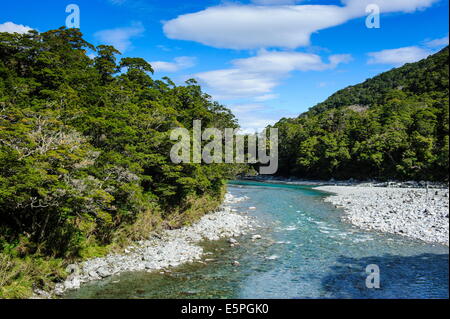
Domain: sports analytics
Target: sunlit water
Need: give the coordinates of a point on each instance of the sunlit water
(305, 252)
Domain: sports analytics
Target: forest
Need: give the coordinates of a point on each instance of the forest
(392, 126)
(85, 155)
(85, 144)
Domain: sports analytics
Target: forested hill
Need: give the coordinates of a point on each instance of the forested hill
(392, 126)
(428, 76)
(85, 154)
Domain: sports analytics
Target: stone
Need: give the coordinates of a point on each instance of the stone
(149, 265)
(103, 272)
(406, 211)
(72, 284)
(169, 248)
(59, 289)
(273, 257)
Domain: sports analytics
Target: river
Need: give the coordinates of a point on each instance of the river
(306, 251)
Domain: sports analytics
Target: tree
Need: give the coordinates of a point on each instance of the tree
(105, 62)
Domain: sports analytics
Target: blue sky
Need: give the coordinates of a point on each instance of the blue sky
(264, 59)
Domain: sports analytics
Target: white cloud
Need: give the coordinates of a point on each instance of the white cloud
(257, 76)
(275, 2)
(120, 38)
(281, 62)
(437, 42)
(265, 97)
(398, 56)
(244, 108)
(163, 48)
(284, 26)
(358, 7)
(236, 83)
(249, 27)
(117, 2)
(11, 27)
(255, 117)
(269, 24)
(180, 63)
(337, 59)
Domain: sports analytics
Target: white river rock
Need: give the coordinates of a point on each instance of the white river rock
(418, 213)
(169, 249)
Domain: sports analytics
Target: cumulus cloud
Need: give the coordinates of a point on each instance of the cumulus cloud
(120, 38)
(284, 26)
(254, 117)
(257, 76)
(270, 24)
(282, 62)
(265, 97)
(358, 7)
(398, 56)
(437, 42)
(275, 2)
(236, 83)
(11, 27)
(180, 63)
(254, 26)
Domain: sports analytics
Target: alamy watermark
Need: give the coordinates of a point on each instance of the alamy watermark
(373, 19)
(225, 146)
(373, 277)
(73, 19)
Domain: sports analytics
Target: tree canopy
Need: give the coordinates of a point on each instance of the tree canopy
(393, 126)
(84, 143)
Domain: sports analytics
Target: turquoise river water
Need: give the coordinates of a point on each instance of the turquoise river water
(306, 251)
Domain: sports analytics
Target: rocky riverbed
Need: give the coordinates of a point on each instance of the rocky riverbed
(168, 249)
(349, 182)
(419, 213)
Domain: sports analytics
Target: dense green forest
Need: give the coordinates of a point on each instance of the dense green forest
(85, 154)
(393, 126)
(85, 147)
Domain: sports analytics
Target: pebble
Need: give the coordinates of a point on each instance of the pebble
(273, 257)
(170, 248)
(413, 212)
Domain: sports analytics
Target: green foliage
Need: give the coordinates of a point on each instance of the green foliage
(85, 150)
(392, 126)
(18, 276)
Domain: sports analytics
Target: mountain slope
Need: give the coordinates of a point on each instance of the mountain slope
(393, 126)
(428, 76)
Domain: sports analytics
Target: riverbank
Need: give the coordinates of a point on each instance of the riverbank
(349, 182)
(418, 213)
(169, 248)
(304, 251)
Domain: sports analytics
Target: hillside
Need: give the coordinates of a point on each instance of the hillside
(393, 126)
(85, 155)
(426, 77)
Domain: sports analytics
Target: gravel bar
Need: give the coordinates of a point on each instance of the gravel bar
(419, 213)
